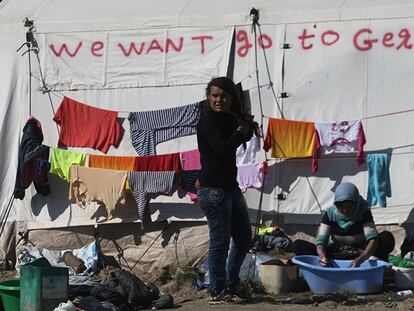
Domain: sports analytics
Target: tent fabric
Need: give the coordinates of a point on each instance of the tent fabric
(341, 60)
(134, 58)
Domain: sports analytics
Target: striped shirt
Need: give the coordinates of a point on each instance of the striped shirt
(144, 184)
(149, 128)
(356, 232)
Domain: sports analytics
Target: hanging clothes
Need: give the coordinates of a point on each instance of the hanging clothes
(289, 138)
(379, 184)
(95, 184)
(85, 126)
(149, 128)
(188, 181)
(61, 160)
(33, 162)
(162, 162)
(146, 184)
(248, 154)
(250, 175)
(190, 160)
(118, 163)
(345, 136)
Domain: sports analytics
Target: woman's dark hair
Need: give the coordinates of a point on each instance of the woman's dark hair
(228, 86)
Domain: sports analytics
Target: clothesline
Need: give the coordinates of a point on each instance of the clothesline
(370, 117)
(332, 157)
(123, 113)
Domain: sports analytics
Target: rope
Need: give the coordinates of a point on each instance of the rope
(387, 114)
(30, 83)
(255, 14)
(152, 243)
(374, 116)
(6, 214)
(268, 71)
(32, 46)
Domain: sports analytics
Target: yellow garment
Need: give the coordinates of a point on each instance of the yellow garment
(290, 139)
(61, 160)
(268, 230)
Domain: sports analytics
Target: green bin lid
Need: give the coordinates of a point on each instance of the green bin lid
(41, 263)
(13, 284)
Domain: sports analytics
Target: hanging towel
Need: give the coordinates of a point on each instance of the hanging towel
(149, 128)
(94, 184)
(31, 157)
(289, 138)
(248, 154)
(345, 136)
(379, 184)
(85, 126)
(61, 160)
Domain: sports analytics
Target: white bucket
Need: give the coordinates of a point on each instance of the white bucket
(278, 278)
(403, 277)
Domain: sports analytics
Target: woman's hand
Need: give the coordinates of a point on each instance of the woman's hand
(245, 130)
(356, 262)
(324, 262)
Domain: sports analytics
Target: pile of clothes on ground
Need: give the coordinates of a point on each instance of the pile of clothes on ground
(118, 290)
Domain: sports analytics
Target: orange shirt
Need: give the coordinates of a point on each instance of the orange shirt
(112, 162)
(289, 138)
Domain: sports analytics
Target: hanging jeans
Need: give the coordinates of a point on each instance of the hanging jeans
(227, 216)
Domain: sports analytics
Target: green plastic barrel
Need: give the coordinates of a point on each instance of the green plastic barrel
(42, 287)
(10, 294)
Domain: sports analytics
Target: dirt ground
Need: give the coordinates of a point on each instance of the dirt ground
(187, 298)
(305, 301)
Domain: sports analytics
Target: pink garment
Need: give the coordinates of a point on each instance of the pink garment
(339, 137)
(250, 175)
(190, 160)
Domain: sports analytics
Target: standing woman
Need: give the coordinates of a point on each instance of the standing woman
(222, 128)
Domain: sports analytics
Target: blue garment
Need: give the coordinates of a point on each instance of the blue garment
(227, 216)
(379, 185)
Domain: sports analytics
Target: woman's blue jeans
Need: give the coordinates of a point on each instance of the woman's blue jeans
(227, 216)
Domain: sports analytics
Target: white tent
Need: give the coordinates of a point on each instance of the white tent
(333, 60)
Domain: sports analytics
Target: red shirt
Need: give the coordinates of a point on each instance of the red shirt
(85, 126)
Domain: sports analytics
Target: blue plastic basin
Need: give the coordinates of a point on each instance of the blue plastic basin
(366, 279)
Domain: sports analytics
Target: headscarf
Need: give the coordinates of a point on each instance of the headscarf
(347, 191)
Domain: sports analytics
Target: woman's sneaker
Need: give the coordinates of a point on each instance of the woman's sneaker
(240, 291)
(224, 297)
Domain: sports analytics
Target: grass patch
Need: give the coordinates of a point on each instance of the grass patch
(254, 286)
(185, 275)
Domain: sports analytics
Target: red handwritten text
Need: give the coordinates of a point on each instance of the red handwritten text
(133, 49)
(363, 40)
(244, 45)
